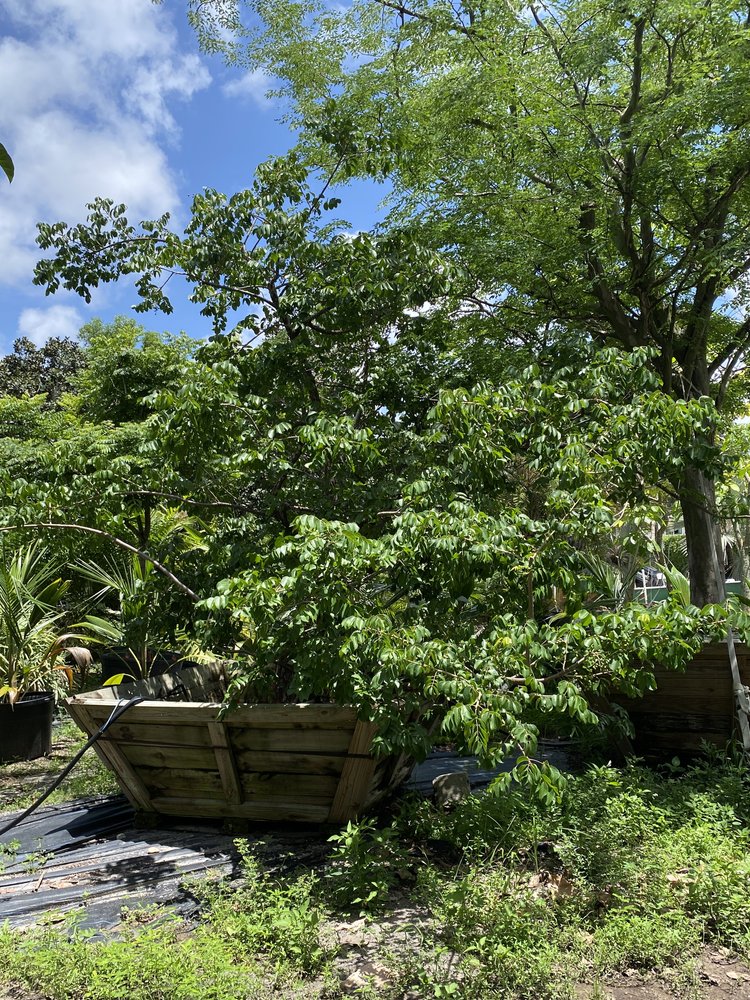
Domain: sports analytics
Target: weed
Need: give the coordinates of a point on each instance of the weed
(251, 940)
(493, 937)
(363, 865)
(8, 852)
(276, 918)
(632, 869)
(151, 962)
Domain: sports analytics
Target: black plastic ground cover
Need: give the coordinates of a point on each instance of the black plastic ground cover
(88, 859)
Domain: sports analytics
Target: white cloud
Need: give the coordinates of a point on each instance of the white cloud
(252, 86)
(88, 87)
(56, 321)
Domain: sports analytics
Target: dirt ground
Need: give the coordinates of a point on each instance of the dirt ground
(23, 781)
(719, 976)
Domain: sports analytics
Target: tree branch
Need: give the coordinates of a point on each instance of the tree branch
(115, 540)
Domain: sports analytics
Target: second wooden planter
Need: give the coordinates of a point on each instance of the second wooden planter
(689, 707)
(173, 755)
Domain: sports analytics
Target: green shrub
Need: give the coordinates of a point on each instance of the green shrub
(278, 918)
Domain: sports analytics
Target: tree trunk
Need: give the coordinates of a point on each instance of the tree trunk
(698, 503)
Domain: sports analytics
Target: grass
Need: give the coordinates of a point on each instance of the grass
(21, 783)
(632, 871)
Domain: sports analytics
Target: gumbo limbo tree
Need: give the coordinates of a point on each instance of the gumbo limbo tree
(384, 531)
(587, 164)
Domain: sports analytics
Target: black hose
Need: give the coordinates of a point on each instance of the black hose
(118, 712)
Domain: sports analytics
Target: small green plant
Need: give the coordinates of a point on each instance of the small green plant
(157, 960)
(8, 852)
(364, 864)
(493, 937)
(276, 918)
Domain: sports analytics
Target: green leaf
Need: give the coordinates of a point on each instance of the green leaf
(6, 163)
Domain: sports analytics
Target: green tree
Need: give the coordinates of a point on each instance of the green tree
(587, 165)
(125, 363)
(380, 528)
(88, 473)
(32, 370)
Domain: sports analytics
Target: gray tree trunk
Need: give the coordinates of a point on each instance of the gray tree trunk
(702, 534)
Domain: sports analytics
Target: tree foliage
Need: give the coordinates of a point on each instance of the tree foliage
(49, 369)
(586, 165)
(396, 507)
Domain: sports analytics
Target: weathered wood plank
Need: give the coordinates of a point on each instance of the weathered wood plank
(177, 783)
(263, 762)
(152, 755)
(279, 810)
(166, 736)
(283, 786)
(292, 717)
(199, 684)
(356, 775)
(331, 741)
(675, 722)
(286, 762)
(281, 717)
(225, 762)
(179, 713)
(111, 754)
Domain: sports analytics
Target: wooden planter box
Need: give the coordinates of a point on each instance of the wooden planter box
(689, 707)
(285, 763)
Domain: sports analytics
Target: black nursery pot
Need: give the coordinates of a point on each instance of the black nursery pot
(26, 727)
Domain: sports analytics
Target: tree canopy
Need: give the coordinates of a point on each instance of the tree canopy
(586, 166)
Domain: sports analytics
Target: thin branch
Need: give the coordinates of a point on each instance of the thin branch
(115, 540)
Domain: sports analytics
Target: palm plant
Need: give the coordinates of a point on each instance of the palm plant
(33, 641)
(609, 586)
(138, 621)
(131, 623)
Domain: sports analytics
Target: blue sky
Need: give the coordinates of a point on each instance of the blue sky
(112, 97)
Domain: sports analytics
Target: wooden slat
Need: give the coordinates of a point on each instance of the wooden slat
(675, 722)
(284, 786)
(285, 762)
(167, 736)
(225, 762)
(178, 713)
(161, 756)
(289, 717)
(688, 741)
(331, 741)
(292, 717)
(262, 761)
(356, 776)
(206, 683)
(111, 754)
(279, 810)
(177, 783)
